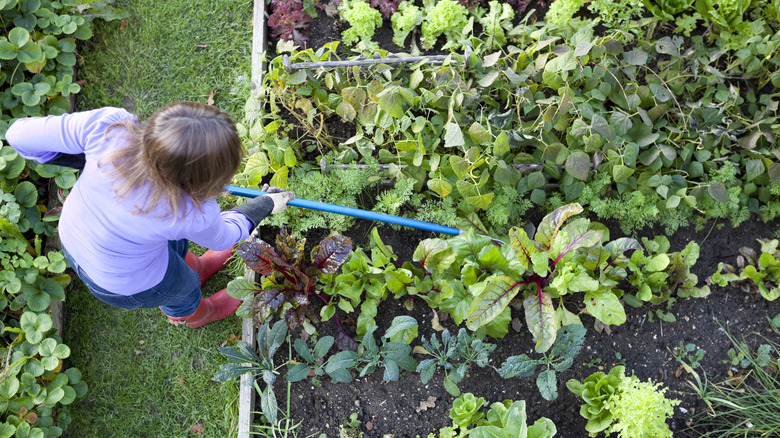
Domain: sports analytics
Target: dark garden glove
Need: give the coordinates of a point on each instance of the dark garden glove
(275, 201)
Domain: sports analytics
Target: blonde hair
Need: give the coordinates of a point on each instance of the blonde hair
(185, 150)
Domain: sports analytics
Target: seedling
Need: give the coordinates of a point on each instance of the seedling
(567, 345)
(454, 354)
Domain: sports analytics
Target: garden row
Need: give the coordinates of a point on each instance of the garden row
(562, 116)
(37, 62)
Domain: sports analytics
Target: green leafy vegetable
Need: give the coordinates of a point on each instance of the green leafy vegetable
(363, 21)
(243, 359)
(615, 403)
(465, 410)
(754, 273)
(405, 21)
(596, 390)
(668, 9)
(454, 354)
(568, 344)
(446, 18)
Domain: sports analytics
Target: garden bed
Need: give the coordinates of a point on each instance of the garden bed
(644, 344)
(647, 344)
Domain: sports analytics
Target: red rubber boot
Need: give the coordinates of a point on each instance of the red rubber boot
(208, 264)
(218, 306)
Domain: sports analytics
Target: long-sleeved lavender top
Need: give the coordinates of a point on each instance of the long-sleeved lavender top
(122, 251)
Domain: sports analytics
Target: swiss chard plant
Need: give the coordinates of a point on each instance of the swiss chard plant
(288, 281)
(364, 281)
(568, 344)
(559, 260)
(242, 359)
(454, 354)
(753, 273)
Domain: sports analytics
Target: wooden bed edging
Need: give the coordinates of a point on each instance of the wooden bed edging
(246, 400)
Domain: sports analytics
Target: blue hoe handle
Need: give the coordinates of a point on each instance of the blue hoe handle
(354, 212)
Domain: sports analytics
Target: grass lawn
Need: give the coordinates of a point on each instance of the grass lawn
(168, 51)
(148, 378)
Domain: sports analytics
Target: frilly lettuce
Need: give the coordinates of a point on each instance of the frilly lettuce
(363, 21)
(446, 18)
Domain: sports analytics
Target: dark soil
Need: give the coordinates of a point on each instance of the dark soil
(643, 344)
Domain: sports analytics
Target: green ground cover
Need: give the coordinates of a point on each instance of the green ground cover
(146, 377)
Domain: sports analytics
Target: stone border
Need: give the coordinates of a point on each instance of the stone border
(247, 393)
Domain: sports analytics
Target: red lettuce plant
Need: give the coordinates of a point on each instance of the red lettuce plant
(289, 21)
(288, 282)
(386, 7)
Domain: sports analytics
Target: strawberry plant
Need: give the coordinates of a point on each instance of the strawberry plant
(288, 281)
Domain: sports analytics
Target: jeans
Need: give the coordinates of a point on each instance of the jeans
(177, 295)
